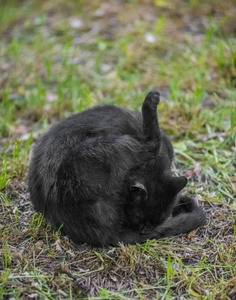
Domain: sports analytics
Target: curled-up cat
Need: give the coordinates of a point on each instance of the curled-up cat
(105, 176)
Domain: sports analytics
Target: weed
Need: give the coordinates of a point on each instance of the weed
(3, 173)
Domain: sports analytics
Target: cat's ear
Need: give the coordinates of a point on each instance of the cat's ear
(176, 184)
(138, 193)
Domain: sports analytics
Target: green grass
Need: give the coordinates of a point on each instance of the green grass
(50, 68)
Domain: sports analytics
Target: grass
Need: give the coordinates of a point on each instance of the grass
(61, 57)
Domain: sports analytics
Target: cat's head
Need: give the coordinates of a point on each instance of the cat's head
(152, 197)
(152, 188)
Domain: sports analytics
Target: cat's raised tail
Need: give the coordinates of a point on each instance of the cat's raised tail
(151, 128)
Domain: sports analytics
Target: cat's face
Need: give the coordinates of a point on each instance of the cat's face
(151, 198)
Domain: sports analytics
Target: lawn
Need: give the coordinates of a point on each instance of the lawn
(61, 57)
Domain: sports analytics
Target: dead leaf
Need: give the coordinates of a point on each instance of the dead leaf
(191, 234)
(195, 172)
(21, 90)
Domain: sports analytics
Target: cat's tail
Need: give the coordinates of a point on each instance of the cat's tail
(151, 128)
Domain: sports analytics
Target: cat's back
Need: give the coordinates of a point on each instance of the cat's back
(96, 122)
(79, 131)
(99, 121)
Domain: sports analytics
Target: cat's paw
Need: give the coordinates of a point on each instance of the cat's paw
(184, 205)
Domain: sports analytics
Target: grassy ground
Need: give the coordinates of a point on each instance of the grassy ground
(60, 57)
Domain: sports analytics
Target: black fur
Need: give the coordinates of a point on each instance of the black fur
(105, 174)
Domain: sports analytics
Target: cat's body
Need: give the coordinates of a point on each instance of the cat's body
(105, 174)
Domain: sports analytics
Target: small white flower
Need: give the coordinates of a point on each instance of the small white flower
(150, 38)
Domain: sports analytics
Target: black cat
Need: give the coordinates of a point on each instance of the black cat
(105, 175)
